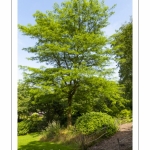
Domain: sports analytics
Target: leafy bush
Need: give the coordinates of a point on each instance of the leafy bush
(36, 122)
(96, 121)
(23, 127)
(125, 116)
(51, 130)
(33, 123)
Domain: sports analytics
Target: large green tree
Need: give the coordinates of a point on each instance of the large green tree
(122, 48)
(71, 42)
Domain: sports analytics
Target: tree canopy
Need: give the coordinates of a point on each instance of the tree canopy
(122, 48)
(71, 42)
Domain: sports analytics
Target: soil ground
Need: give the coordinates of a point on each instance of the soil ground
(124, 135)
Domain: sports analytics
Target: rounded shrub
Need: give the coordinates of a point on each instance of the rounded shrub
(96, 121)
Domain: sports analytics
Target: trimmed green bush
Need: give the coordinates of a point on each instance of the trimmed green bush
(96, 121)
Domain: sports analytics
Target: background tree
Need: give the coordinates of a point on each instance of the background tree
(71, 41)
(122, 47)
(23, 100)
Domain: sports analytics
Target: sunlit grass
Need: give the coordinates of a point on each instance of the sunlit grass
(32, 142)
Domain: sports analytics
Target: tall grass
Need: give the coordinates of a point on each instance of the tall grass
(51, 131)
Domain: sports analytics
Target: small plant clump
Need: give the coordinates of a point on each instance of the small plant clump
(51, 131)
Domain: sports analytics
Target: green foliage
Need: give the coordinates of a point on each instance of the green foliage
(35, 117)
(36, 122)
(23, 99)
(99, 95)
(33, 123)
(23, 127)
(95, 121)
(72, 41)
(125, 116)
(51, 131)
(122, 49)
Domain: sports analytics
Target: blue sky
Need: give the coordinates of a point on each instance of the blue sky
(26, 8)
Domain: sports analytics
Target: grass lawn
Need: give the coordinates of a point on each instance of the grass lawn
(31, 142)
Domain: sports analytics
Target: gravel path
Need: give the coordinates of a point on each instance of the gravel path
(125, 139)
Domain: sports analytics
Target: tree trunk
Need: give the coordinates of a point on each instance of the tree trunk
(69, 113)
(70, 99)
(69, 117)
